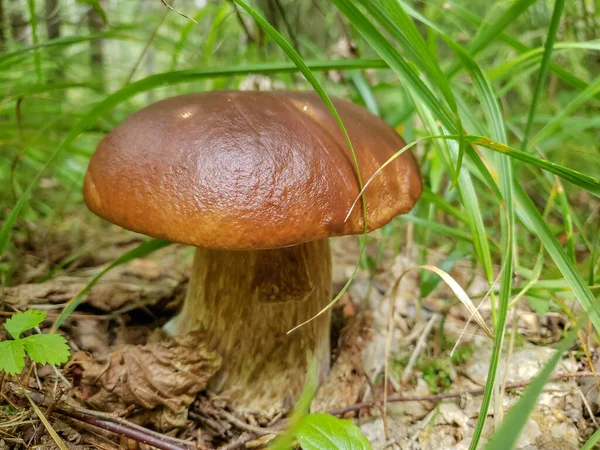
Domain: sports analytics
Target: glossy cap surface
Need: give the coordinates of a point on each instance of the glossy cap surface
(248, 170)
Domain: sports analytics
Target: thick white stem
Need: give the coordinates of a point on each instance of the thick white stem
(247, 302)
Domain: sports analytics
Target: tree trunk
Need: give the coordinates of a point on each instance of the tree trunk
(52, 19)
(247, 301)
(53, 24)
(2, 32)
(18, 23)
(96, 25)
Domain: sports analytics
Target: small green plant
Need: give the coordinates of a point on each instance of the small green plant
(462, 354)
(436, 374)
(326, 432)
(41, 348)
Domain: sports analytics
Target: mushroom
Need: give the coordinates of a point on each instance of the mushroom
(257, 182)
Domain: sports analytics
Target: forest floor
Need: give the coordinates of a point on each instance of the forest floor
(437, 357)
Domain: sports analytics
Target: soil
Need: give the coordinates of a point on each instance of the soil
(120, 378)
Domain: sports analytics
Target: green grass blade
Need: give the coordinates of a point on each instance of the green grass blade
(442, 204)
(490, 32)
(530, 57)
(548, 47)
(495, 121)
(397, 63)
(530, 216)
(590, 184)
(395, 21)
(142, 250)
(439, 228)
(185, 32)
(592, 441)
(588, 93)
(62, 42)
(505, 438)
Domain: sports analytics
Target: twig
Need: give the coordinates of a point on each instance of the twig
(587, 407)
(175, 11)
(287, 24)
(240, 19)
(419, 348)
(438, 397)
(422, 425)
(238, 423)
(108, 422)
(238, 442)
(162, 442)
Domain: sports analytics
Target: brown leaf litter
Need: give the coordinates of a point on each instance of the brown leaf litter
(161, 379)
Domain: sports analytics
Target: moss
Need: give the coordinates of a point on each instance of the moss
(437, 375)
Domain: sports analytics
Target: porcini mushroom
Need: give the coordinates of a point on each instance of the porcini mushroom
(257, 182)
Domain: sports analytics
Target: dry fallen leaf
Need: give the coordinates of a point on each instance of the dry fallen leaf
(163, 378)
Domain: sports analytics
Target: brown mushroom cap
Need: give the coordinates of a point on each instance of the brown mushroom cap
(248, 170)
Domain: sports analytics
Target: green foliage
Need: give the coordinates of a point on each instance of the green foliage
(436, 372)
(325, 432)
(437, 375)
(462, 354)
(41, 348)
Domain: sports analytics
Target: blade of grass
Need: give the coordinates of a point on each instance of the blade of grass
(63, 41)
(548, 47)
(585, 95)
(590, 184)
(530, 216)
(442, 204)
(397, 63)
(398, 24)
(490, 32)
(142, 250)
(187, 29)
(510, 67)
(506, 436)
(592, 441)
(51, 431)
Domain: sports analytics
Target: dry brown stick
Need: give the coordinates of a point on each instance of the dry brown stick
(238, 442)
(107, 421)
(238, 423)
(163, 442)
(175, 11)
(438, 397)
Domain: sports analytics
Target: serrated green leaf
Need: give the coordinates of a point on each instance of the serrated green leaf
(12, 357)
(47, 348)
(24, 321)
(325, 432)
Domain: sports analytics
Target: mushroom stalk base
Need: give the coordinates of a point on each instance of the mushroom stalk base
(247, 301)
